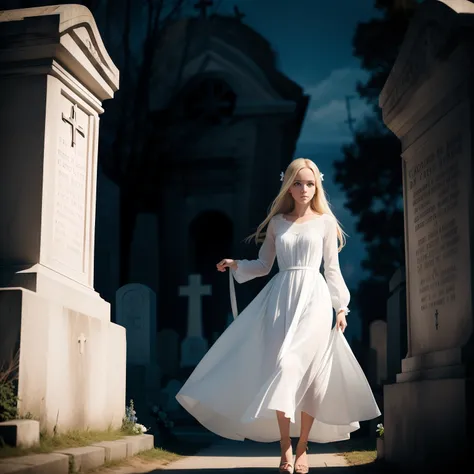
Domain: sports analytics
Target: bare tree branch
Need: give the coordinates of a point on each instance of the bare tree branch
(9, 370)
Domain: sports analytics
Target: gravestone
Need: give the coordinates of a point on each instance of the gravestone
(194, 346)
(378, 344)
(54, 74)
(396, 324)
(136, 311)
(427, 102)
(168, 352)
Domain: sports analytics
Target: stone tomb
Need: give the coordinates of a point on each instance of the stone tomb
(427, 102)
(54, 74)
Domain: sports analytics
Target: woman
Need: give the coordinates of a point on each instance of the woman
(279, 371)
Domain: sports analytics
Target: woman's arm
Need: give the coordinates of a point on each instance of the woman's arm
(340, 295)
(249, 269)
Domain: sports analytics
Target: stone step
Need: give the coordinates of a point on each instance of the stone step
(81, 459)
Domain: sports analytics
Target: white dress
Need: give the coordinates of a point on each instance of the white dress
(280, 352)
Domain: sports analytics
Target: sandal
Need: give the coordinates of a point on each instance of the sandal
(302, 468)
(285, 466)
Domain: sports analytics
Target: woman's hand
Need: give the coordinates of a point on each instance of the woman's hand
(341, 322)
(226, 263)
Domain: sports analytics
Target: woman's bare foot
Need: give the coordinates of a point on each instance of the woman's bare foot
(286, 460)
(301, 459)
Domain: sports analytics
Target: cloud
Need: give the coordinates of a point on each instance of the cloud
(327, 112)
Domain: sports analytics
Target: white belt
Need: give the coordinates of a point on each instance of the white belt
(299, 268)
(233, 299)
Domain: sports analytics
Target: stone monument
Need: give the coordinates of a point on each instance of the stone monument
(54, 74)
(427, 102)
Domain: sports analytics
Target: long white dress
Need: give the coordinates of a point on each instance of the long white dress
(280, 352)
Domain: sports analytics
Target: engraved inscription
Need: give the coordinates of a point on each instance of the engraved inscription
(433, 197)
(70, 199)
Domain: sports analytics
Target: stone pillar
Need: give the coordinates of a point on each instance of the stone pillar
(54, 74)
(428, 102)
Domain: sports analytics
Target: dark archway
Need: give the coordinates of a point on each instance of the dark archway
(211, 235)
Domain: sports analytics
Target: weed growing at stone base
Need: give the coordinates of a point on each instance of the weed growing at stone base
(70, 439)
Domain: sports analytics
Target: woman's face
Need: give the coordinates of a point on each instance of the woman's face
(303, 188)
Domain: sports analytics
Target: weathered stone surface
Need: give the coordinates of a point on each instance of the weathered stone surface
(114, 450)
(89, 457)
(52, 463)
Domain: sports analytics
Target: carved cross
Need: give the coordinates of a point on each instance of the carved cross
(72, 120)
(203, 5)
(194, 291)
(81, 341)
(436, 319)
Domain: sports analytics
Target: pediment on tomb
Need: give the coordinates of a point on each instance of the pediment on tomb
(248, 82)
(228, 50)
(433, 34)
(67, 34)
(245, 78)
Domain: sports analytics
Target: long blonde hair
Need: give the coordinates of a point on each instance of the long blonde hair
(284, 202)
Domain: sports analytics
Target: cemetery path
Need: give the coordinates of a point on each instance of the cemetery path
(252, 458)
(225, 457)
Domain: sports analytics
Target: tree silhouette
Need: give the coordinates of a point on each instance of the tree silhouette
(370, 170)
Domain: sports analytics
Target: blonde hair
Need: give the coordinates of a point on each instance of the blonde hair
(284, 202)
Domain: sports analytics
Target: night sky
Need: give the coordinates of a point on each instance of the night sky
(313, 40)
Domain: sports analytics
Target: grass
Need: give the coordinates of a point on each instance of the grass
(358, 451)
(70, 439)
(159, 454)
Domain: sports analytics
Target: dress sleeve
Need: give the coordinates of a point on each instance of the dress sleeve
(250, 269)
(340, 295)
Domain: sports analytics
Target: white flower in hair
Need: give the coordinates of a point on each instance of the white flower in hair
(321, 176)
(282, 176)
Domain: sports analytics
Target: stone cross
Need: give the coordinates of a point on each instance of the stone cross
(203, 5)
(194, 291)
(72, 120)
(81, 341)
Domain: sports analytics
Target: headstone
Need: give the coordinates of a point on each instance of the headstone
(54, 74)
(396, 324)
(168, 352)
(378, 343)
(136, 311)
(194, 346)
(427, 102)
